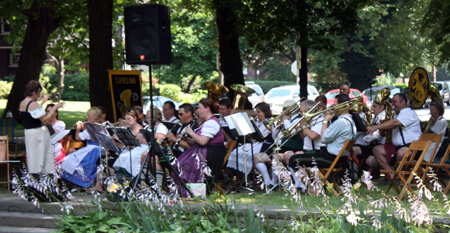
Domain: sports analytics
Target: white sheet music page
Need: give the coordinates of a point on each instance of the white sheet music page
(241, 122)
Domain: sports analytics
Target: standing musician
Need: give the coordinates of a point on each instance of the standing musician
(186, 114)
(311, 141)
(333, 135)
(289, 144)
(169, 112)
(405, 129)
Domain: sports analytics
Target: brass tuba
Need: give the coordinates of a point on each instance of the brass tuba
(241, 93)
(382, 97)
(215, 90)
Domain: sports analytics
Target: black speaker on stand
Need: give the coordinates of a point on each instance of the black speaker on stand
(147, 34)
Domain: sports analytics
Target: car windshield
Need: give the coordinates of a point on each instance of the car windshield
(439, 86)
(394, 91)
(331, 95)
(256, 88)
(280, 92)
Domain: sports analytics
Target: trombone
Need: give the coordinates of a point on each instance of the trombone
(277, 122)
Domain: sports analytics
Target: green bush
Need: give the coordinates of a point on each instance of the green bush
(171, 91)
(5, 89)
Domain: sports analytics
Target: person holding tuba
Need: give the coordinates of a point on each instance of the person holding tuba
(405, 129)
(379, 112)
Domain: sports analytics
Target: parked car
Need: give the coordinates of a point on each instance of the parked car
(375, 90)
(443, 87)
(353, 94)
(256, 97)
(278, 95)
(158, 101)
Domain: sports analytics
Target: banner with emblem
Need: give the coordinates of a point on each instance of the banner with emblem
(126, 90)
(418, 87)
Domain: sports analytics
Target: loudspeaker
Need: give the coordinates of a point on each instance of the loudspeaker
(147, 34)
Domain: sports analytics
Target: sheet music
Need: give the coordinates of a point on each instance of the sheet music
(58, 136)
(94, 129)
(241, 122)
(125, 136)
(105, 141)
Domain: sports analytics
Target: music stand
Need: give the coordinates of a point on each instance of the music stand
(241, 126)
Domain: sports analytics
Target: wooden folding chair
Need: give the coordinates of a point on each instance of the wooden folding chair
(406, 168)
(432, 137)
(328, 174)
(441, 169)
(230, 146)
(4, 158)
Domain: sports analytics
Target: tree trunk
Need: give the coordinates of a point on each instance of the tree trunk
(230, 58)
(100, 53)
(60, 74)
(304, 74)
(41, 23)
(188, 88)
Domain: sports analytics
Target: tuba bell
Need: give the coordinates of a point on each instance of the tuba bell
(241, 93)
(215, 90)
(382, 97)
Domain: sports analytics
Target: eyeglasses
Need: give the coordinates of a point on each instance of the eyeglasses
(180, 114)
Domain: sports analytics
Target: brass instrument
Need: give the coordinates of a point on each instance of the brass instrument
(300, 123)
(241, 93)
(361, 107)
(310, 116)
(215, 90)
(292, 110)
(382, 97)
(433, 93)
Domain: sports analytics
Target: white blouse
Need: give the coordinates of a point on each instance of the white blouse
(37, 112)
(210, 128)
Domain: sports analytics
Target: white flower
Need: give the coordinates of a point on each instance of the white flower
(353, 219)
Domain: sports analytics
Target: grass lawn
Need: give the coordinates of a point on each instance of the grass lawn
(72, 112)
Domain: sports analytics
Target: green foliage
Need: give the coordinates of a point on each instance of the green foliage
(170, 90)
(387, 80)
(5, 88)
(278, 69)
(97, 221)
(48, 69)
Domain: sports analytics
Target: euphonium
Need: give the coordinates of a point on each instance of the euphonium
(215, 90)
(382, 97)
(241, 93)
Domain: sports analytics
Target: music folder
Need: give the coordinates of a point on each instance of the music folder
(241, 125)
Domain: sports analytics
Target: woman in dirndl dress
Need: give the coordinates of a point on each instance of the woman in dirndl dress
(38, 146)
(207, 149)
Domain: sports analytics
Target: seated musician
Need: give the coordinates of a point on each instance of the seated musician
(438, 126)
(186, 114)
(104, 121)
(376, 138)
(57, 126)
(286, 144)
(333, 135)
(140, 113)
(405, 129)
(206, 143)
(224, 110)
(80, 167)
(160, 133)
(321, 100)
(169, 112)
(311, 141)
(236, 165)
(126, 165)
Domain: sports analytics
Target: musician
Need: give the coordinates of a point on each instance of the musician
(140, 113)
(311, 142)
(438, 126)
(133, 121)
(224, 110)
(405, 129)
(169, 112)
(124, 165)
(160, 129)
(333, 135)
(206, 142)
(80, 167)
(263, 114)
(185, 112)
(57, 126)
(344, 89)
(321, 100)
(37, 139)
(294, 143)
(104, 121)
(376, 138)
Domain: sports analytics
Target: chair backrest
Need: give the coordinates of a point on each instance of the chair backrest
(347, 146)
(414, 148)
(4, 148)
(436, 138)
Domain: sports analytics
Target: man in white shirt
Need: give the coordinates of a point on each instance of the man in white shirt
(405, 129)
(169, 112)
